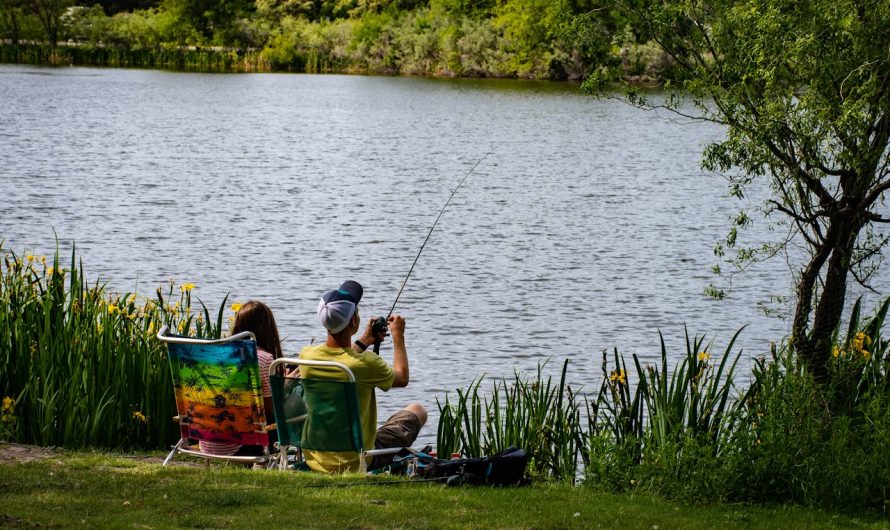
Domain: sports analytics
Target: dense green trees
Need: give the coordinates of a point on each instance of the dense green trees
(49, 13)
(518, 38)
(12, 16)
(214, 20)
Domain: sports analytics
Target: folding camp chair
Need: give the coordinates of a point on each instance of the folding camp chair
(218, 394)
(318, 414)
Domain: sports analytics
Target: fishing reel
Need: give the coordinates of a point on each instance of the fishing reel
(379, 327)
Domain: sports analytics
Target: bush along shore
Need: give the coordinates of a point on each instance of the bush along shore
(525, 39)
(186, 58)
(80, 367)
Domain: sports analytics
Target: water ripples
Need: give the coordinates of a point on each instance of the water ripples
(590, 227)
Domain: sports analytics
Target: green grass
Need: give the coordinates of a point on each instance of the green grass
(116, 491)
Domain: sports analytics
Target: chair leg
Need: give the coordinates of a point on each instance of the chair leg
(175, 450)
(362, 463)
(282, 458)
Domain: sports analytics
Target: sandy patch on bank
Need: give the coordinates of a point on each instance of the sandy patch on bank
(13, 453)
(19, 453)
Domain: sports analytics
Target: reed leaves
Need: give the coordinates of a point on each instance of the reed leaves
(565, 431)
(540, 415)
(80, 365)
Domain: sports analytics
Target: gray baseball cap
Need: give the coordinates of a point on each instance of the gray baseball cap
(336, 308)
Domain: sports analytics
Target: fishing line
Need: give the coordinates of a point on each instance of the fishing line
(381, 322)
(433, 228)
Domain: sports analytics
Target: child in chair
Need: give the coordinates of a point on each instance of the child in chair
(257, 318)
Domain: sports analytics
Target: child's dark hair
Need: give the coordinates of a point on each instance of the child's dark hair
(256, 317)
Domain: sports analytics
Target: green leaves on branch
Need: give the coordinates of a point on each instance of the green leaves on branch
(803, 90)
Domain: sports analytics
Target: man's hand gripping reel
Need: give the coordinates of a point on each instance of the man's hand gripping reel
(380, 328)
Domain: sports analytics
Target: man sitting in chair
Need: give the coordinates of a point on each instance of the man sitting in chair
(338, 312)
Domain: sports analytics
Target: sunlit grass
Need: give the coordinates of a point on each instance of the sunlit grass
(106, 490)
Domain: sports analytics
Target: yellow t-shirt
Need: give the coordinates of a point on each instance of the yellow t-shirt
(370, 372)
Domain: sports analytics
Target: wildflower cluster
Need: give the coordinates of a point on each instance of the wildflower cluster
(858, 346)
(7, 413)
(618, 376)
(54, 314)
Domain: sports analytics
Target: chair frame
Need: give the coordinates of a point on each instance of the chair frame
(364, 454)
(183, 446)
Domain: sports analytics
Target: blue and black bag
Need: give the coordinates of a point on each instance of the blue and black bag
(506, 468)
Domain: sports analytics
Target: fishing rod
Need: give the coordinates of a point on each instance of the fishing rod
(380, 324)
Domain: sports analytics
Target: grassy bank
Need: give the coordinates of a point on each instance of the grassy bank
(80, 367)
(117, 491)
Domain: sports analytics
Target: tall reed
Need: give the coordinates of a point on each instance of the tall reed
(693, 400)
(539, 415)
(79, 365)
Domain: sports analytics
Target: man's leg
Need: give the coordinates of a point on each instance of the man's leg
(400, 430)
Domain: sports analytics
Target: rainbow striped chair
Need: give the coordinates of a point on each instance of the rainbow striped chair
(218, 394)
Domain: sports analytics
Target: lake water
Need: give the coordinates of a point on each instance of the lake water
(590, 226)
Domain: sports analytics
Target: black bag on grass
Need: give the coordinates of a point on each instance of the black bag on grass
(506, 468)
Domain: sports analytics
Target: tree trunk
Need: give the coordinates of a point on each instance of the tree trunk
(814, 347)
(13, 26)
(806, 289)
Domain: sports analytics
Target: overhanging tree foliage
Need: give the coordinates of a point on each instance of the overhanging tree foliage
(803, 88)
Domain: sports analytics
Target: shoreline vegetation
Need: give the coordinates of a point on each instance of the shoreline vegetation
(80, 367)
(521, 39)
(186, 59)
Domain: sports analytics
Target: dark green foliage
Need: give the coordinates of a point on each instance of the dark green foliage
(214, 20)
(80, 366)
(186, 58)
(789, 445)
(516, 38)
